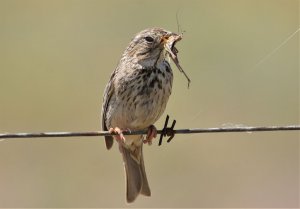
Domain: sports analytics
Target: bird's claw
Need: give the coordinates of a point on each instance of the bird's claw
(118, 134)
(151, 134)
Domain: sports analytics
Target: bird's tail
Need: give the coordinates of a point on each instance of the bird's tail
(136, 179)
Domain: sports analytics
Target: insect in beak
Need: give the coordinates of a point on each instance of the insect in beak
(169, 45)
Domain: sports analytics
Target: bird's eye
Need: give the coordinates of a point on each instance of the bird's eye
(149, 39)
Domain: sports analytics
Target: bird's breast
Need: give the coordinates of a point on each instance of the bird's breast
(144, 97)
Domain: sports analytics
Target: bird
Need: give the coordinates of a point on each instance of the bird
(135, 98)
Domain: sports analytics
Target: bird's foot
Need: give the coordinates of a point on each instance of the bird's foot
(151, 134)
(119, 134)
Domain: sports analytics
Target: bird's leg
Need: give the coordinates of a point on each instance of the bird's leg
(152, 133)
(119, 133)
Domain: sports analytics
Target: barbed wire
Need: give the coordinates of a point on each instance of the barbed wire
(141, 132)
(166, 131)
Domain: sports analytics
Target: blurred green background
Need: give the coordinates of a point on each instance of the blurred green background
(56, 58)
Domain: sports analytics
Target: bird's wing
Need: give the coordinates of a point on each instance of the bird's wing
(108, 92)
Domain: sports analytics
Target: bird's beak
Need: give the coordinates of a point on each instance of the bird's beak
(169, 42)
(169, 45)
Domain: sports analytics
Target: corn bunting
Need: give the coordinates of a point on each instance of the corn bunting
(135, 98)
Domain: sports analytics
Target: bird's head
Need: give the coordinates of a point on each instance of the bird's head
(152, 45)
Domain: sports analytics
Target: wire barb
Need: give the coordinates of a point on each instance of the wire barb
(163, 132)
(167, 131)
